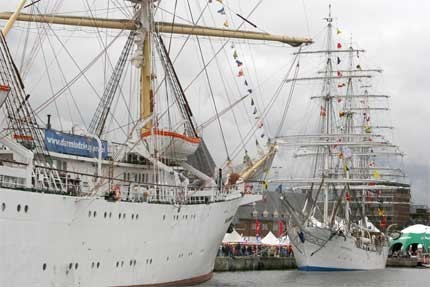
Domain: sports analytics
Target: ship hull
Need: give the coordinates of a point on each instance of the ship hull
(336, 254)
(54, 240)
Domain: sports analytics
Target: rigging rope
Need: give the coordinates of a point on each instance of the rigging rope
(210, 88)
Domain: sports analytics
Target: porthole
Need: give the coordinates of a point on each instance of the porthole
(94, 213)
(137, 216)
(18, 208)
(3, 206)
(131, 262)
(167, 259)
(44, 266)
(123, 216)
(117, 264)
(105, 215)
(122, 263)
(98, 265)
(70, 266)
(150, 261)
(164, 217)
(26, 208)
(92, 265)
(76, 266)
(89, 213)
(119, 216)
(110, 214)
(134, 262)
(132, 216)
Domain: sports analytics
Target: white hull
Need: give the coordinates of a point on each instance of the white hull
(339, 253)
(154, 244)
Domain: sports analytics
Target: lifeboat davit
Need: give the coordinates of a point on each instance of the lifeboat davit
(171, 145)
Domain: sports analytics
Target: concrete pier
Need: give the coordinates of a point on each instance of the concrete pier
(223, 264)
(249, 263)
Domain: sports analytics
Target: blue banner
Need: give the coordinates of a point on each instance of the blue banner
(73, 144)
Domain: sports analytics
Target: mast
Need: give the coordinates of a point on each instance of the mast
(146, 93)
(327, 106)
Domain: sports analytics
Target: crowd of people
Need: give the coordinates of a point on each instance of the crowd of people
(237, 250)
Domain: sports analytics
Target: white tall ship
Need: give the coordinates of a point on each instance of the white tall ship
(77, 210)
(348, 167)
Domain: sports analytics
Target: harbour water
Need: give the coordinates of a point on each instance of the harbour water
(392, 277)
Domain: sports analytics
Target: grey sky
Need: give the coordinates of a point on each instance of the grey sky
(394, 34)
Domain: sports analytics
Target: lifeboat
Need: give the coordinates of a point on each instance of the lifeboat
(171, 145)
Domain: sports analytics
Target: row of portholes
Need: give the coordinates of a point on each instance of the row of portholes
(18, 207)
(106, 215)
(185, 216)
(74, 265)
(132, 263)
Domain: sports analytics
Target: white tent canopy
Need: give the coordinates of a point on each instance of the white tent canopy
(270, 239)
(418, 229)
(233, 237)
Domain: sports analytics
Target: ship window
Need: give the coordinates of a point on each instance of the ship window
(150, 261)
(44, 266)
(70, 265)
(89, 213)
(26, 208)
(164, 217)
(132, 216)
(105, 214)
(167, 259)
(131, 262)
(134, 262)
(98, 265)
(117, 264)
(137, 216)
(123, 216)
(3, 206)
(119, 216)
(76, 266)
(18, 208)
(110, 214)
(92, 265)
(122, 263)
(95, 214)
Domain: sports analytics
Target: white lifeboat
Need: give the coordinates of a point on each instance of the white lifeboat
(171, 145)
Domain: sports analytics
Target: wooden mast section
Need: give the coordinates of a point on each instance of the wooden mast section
(162, 27)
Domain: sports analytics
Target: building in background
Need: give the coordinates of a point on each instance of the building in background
(261, 217)
(419, 214)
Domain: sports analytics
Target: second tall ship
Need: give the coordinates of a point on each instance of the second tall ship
(349, 168)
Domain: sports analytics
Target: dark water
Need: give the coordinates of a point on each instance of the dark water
(383, 278)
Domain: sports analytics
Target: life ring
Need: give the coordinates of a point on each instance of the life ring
(116, 192)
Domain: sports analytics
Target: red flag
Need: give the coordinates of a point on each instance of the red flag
(348, 196)
(257, 227)
(280, 228)
(323, 112)
(339, 45)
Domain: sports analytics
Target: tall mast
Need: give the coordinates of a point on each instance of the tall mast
(327, 105)
(146, 93)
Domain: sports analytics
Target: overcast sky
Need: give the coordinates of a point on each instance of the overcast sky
(393, 33)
